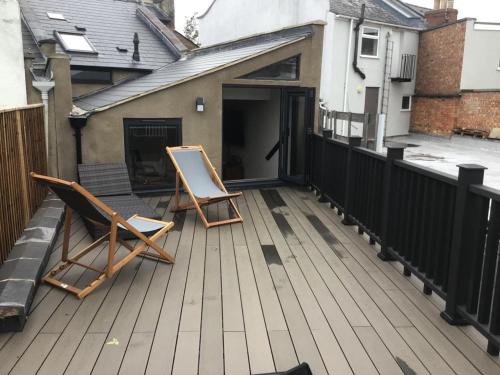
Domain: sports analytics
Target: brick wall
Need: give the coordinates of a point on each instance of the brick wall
(440, 60)
(475, 110)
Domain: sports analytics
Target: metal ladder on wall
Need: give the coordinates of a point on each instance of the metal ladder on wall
(387, 76)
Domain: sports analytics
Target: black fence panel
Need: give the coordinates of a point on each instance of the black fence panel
(443, 229)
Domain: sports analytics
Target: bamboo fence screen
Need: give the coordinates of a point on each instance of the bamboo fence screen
(22, 150)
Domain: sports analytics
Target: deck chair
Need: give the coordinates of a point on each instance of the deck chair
(90, 208)
(201, 182)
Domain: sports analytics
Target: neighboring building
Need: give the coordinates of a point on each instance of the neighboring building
(127, 85)
(12, 88)
(368, 64)
(458, 77)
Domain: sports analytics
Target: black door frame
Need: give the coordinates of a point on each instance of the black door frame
(310, 94)
(310, 99)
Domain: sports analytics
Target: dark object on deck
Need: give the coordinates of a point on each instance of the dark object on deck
(76, 198)
(111, 184)
(302, 369)
(19, 275)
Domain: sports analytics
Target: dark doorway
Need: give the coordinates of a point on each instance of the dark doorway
(145, 140)
(296, 129)
(371, 100)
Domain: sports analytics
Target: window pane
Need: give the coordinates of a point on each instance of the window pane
(76, 42)
(283, 70)
(405, 102)
(370, 31)
(90, 76)
(369, 47)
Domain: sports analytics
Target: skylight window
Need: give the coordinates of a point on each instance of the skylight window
(75, 42)
(56, 16)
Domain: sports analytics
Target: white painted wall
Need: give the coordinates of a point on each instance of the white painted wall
(336, 61)
(12, 80)
(481, 57)
(229, 19)
(232, 19)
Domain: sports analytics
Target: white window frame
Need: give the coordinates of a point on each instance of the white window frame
(409, 104)
(68, 48)
(363, 36)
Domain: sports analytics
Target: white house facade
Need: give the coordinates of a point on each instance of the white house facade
(12, 80)
(385, 47)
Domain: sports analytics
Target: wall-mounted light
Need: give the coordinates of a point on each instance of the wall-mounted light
(200, 105)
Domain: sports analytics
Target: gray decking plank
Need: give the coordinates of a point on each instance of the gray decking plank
(374, 314)
(380, 355)
(186, 353)
(164, 343)
(306, 254)
(88, 351)
(235, 354)
(476, 355)
(283, 351)
(296, 318)
(211, 340)
(273, 313)
(231, 301)
(34, 356)
(68, 343)
(136, 357)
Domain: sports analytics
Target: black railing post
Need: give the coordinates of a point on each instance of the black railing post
(327, 134)
(353, 142)
(469, 174)
(395, 152)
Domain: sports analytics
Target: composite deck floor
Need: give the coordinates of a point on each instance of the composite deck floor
(290, 284)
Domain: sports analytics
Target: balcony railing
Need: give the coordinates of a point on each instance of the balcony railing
(444, 230)
(406, 69)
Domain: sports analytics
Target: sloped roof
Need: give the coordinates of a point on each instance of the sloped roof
(380, 11)
(109, 24)
(418, 8)
(196, 64)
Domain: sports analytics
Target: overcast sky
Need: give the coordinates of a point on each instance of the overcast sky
(483, 10)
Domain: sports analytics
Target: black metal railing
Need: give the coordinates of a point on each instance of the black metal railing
(443, 229)
(406, 69)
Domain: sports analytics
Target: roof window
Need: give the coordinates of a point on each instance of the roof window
(75, 42)
(56, 16)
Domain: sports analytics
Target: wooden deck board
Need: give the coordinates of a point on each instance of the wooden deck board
(290, 284)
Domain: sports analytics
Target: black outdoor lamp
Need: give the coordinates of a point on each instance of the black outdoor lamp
(200, 104)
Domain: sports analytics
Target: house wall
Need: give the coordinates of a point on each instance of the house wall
(481, 61)
(103, 136)
(229, 19)
(473, 110)
(458, 79)
(12, 79)
(337, 61)
(440, 60)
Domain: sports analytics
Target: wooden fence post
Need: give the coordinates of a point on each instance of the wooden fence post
(469, 174)
(353, 142)
(393, 153)
(22, 167)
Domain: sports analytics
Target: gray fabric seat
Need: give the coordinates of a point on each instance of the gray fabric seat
(111, 184)
(195, 171)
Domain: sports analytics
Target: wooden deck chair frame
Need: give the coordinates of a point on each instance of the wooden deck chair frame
(198, 203)
(116, 221)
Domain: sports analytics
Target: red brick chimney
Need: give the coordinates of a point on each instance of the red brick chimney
(442, 14)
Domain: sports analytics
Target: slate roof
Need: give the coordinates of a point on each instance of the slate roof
(108, 23)
(378, 10)
(418, 8)
(195, 64)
